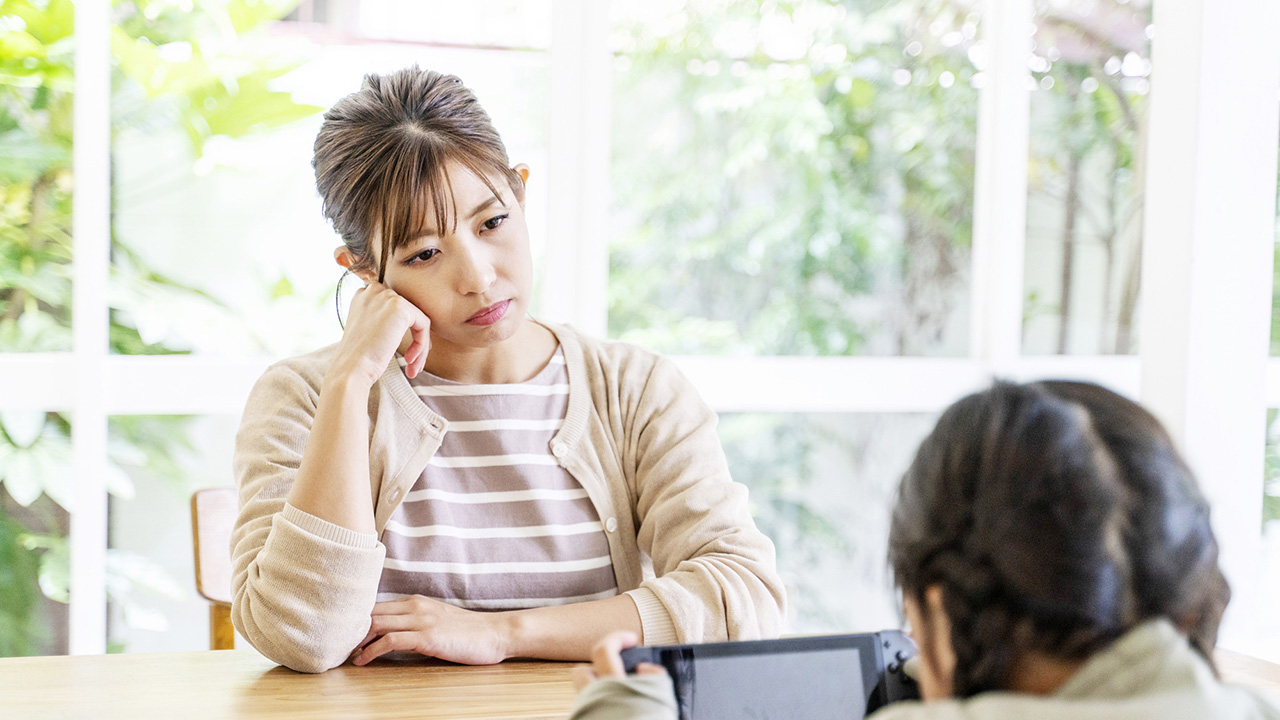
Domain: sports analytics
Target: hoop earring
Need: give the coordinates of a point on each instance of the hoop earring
(337, 299)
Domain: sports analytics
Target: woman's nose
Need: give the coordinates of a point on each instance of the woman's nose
(476, 272)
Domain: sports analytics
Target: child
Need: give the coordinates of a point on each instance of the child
(1055, 560)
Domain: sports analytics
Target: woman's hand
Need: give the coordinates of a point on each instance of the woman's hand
(606, 660)
(377, 323)
(437, 629)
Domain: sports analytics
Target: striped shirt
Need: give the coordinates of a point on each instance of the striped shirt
(494, 522)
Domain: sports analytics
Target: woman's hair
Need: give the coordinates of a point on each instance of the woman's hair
(1054, 516)
(383, 152)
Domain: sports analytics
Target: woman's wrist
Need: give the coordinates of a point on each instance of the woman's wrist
(512, 629)
(349, 376)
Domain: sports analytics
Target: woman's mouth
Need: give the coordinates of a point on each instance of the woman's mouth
(490, 315)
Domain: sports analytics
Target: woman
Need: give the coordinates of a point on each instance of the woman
(453, 478)
(1055, 560)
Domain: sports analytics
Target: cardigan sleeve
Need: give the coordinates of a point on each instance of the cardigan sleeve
(302, 588)
(715, 571)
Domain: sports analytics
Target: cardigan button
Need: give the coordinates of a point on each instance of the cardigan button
(611, 525)
(559, 450)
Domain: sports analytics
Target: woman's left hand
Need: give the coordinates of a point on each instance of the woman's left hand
(437, 629)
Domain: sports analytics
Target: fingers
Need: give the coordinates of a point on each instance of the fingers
(411, 605)
(383, 624)
(394, 642)
(605, 659)
(394, 607)
(582, 677)
(607, 663)
(415, 356)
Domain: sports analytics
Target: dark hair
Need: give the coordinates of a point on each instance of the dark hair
(1054, 516)
(384, 150)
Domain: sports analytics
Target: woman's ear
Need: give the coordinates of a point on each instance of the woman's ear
(931, 629)
(344, 257)
(523, 171)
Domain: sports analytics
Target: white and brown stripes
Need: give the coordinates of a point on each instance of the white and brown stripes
(494, 522)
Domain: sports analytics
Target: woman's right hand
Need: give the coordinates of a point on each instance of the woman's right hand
(375, 327)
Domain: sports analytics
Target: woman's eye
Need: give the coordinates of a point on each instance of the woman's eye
(493, 222)
(423, 256)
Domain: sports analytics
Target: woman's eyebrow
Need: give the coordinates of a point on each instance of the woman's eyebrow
(408, 248)
(484, 205)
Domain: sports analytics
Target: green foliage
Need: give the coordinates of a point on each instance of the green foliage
(1085, 176)
(783, 187)
(1275, 304)
(21, 631)
(177, 63)
(1271, 470)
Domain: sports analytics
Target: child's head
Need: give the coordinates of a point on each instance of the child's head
(1049, 519)
(383, 154)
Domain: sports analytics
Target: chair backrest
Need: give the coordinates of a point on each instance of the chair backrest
(213, 514)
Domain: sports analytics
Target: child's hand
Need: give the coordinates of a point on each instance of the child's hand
(606, 660)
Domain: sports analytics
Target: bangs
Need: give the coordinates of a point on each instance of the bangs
(413, 194)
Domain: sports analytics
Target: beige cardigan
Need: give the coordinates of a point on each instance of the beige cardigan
(636, 436)
(1149, 674)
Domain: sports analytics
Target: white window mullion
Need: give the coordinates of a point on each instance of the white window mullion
(879, 384)
(91, 232)
(1207, 251)
(575, 277)
(1273, 382)
(1000, 185)
(37, 381)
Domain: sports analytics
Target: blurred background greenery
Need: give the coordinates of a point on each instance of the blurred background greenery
(788, 178)
(175, 65)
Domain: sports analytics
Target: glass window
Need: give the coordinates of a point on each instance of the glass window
(221, 244)
(475, 23)
(822, 487)
(160, 460)
(35, 468)
(35, 177)
(793, 178)
(1267, 643)
(1090, 67)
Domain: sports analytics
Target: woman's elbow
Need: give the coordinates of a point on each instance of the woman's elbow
(304, 647)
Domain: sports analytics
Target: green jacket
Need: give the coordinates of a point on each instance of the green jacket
(1151, 673)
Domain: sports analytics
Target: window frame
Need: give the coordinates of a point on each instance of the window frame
(1172, 374)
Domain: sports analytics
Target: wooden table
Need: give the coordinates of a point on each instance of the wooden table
(1249, 671)
(241, 685)
(227, 684)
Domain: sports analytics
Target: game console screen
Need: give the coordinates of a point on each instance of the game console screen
(819, 684)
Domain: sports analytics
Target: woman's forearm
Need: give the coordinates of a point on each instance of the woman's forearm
(568, 632)
(333, 479)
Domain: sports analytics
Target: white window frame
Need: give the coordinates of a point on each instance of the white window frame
(1210, 381)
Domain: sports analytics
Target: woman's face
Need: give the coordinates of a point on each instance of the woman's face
(474, 282)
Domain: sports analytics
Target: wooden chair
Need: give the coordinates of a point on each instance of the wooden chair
(213, 513)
